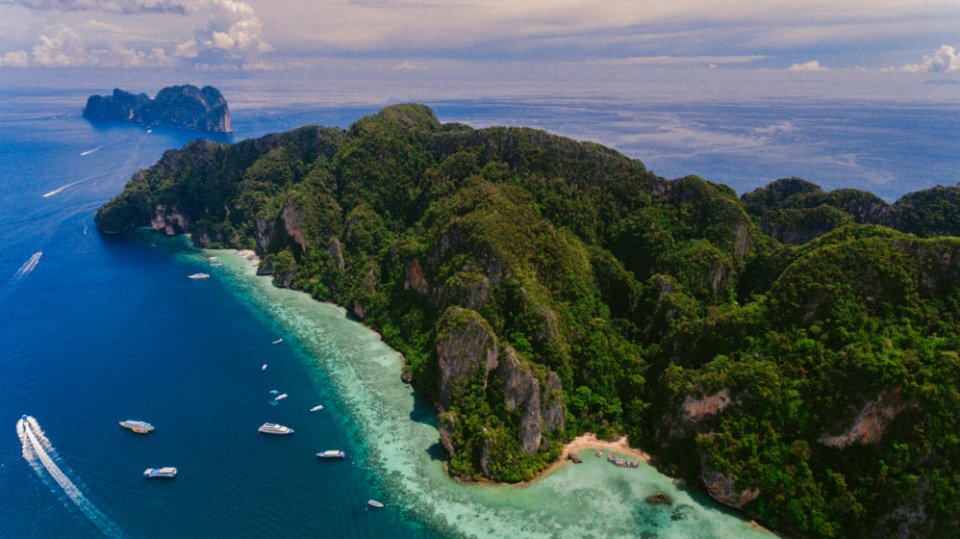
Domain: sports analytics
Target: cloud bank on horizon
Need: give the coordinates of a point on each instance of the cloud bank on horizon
(806, 37)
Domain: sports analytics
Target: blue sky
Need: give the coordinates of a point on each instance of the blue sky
(849, 47)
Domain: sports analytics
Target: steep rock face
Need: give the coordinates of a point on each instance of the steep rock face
(871, 422)
(695, 410)
(336, 254)
(723, 488)
(185, 107)
(466, 347)
(551, 404)
(291, 223)
(522, 390)
(169, 220)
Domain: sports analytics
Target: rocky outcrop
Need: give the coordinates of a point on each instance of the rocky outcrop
(723, 488)
(871, 422)
(695, 410)
(336, 254)
(169, 220)
(291, 219)
(184, 107)
(551, 404)
(521, 390)
(415, 280)
(466, 347)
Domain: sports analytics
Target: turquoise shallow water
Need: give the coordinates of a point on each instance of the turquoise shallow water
(95, 329)
(594, 499)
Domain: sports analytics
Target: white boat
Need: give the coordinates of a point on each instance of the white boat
(198, 276)
(140, 427)
(264, 367)
(280, 397)
(331, 454)
(374, 503)
(317, 408)
(168, 472)
(278, 341)
(273, 428)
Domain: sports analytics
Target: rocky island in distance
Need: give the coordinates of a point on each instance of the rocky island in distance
(184, 107)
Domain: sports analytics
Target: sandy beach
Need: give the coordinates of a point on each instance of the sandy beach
(249, 254)
(590, 441)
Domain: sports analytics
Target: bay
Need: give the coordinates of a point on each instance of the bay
(98, 329)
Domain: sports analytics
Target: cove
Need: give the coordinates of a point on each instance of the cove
(395, 435)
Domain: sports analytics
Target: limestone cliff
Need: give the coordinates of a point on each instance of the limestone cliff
(184, 107)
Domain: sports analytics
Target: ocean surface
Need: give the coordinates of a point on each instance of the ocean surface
(95, 330)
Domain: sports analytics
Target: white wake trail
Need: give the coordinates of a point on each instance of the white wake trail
(61, 188)
(27, 267)
(88, 152)
(37, 451)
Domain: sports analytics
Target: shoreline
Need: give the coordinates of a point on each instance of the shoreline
(586, 441)
(249, 254)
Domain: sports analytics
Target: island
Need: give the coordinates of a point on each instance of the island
(183, 107)
(792, 352)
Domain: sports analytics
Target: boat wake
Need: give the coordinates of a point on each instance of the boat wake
(27, 267)
(39, 452)
(58, 190)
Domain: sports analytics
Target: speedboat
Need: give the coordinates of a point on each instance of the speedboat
(264, 367)
(273, 428)
(317, 408)
(168, 472)
(374, 503)
(331, 454)
(280, 397)
(278, 341)
(198, 276)
(140, 427)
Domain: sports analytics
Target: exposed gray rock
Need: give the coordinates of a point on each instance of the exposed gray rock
(871, 422)
(336, 254)
(522, 390)
(695, 410)
(291, 219)
(723, 488)
(466, 347)
(169, 220)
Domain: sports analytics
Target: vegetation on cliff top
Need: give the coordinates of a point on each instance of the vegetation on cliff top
(185, 107)
(782, 350)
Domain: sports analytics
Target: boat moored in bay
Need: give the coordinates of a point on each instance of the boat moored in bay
(140, 427)
(273, 428)
(331, 454)
(168, 472)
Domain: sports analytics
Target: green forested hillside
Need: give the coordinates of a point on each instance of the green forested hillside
(783, 351)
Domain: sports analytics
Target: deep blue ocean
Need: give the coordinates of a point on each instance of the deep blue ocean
(95, 329)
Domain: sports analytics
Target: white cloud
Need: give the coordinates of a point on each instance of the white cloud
(15, 59)
(208, 32)
(946, 59)
(808, 67)
(66, 48)
(106, 6)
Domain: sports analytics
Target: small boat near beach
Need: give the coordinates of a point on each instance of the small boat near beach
(278, 341)
(331, 454)
(168, 472)
(274, 428)
(317, 408)
(374, 503)
(198, 276)
(140, 427)
(280, 397)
